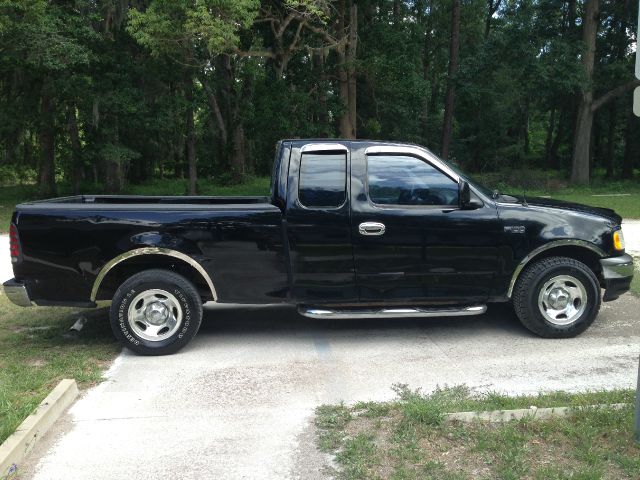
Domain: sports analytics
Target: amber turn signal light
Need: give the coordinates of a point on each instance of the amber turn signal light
(618, 240)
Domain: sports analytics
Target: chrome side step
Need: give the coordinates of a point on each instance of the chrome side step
(318, 312)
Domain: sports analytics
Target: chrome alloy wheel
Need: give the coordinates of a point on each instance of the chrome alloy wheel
(562, 300)
(155, 315)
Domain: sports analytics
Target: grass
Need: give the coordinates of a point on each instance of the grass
(408, 439)
(627, 206)
(621, 195)
(37, 351)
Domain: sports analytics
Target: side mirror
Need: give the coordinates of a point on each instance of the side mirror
(464, 195)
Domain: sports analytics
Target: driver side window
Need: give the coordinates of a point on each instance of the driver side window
(404, 180)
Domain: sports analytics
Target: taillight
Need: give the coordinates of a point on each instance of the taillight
(14, 243)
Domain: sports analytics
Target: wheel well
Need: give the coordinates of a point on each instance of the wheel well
(585, 255)
(122, 271)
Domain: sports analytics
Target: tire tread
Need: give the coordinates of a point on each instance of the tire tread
(526, 281)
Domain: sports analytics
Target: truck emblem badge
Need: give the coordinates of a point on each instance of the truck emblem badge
(514, 229)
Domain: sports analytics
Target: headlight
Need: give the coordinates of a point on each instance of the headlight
(618, 240)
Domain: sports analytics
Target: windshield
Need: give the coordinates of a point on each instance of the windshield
(469, 179)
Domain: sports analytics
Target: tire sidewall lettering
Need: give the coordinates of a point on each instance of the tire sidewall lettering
(123, 319)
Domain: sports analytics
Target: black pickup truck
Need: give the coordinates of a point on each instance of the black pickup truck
(351, 229)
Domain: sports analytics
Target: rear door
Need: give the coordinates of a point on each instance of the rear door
(412, 242)
(318, 224)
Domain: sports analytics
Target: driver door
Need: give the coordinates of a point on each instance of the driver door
(413, 244)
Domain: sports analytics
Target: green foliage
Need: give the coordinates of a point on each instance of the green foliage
(127, 74)
(179, 28)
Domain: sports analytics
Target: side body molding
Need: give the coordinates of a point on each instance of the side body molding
(547, 246)
(151, 251)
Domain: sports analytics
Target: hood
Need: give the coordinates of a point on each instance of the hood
(607, 213)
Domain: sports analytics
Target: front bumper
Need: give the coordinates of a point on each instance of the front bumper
(617, 273)
(17, 292)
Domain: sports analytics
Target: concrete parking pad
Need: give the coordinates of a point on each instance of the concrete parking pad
(238, 401)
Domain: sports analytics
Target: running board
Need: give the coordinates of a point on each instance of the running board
(314, 312)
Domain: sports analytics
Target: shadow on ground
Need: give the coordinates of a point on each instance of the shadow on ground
(285, 319)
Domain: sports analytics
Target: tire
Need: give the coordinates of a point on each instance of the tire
(156, 312)
(552, 285)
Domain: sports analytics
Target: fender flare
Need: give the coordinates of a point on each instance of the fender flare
(151, 251)
(547, 246)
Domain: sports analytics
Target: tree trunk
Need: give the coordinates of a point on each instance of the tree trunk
(630, 135)
(525, 128)
(346, 130)
(351, 62)
(346, 53)
(549, 140)
(584, 121)
(571, 14)
(46, 139)
(191, 139)
(397, 11)
(323, 118)
(611, 133)
(238, 159)
(11, 147)
(492, 7)
(451, 88)
(113, 176)
(77, 166)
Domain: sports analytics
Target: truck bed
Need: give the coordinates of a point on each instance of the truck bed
(237, 240)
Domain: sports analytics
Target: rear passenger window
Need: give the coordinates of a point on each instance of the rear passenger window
(323, 179)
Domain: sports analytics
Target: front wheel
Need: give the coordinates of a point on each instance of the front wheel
(557, 297)
(156, 312)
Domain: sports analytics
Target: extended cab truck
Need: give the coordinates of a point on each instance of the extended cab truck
(351, 229)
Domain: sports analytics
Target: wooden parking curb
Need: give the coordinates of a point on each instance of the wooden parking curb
(531, 412)
(19, 443)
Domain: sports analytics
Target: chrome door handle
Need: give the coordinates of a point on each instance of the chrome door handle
(371, 228)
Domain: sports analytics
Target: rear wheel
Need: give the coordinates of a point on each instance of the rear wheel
(156, 312)
(557, 297)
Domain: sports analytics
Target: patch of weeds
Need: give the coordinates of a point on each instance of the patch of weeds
(419, 409)
(556, 473)
(407, 438)
(371, 409)
(357, 457)
(331, 420)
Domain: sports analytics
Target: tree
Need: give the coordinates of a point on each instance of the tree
(45, 43)
(580, 171)
(99, 94)
(449, 102)
(191, 33)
